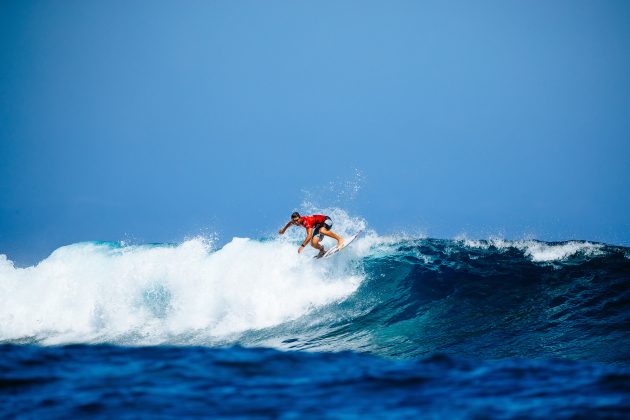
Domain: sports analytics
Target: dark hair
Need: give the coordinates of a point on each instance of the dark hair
(295, 214)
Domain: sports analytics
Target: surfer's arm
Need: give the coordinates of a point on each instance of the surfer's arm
(309, 235)
(281, 231)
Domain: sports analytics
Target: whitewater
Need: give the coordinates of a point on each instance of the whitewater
(111, 292)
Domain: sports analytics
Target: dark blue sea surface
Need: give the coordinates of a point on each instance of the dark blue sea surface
(392, 328)
(112, 381)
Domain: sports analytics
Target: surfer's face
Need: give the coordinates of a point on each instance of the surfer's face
(296, 220)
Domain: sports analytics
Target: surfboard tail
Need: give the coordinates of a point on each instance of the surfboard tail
(336, 249)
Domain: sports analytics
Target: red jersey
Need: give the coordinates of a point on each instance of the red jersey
(312, 221)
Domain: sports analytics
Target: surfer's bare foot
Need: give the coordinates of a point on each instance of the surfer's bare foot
(321, 253)
(339, 244)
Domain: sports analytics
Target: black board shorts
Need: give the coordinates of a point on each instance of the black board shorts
(326, 223)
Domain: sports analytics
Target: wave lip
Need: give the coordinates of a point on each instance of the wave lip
(540, 251)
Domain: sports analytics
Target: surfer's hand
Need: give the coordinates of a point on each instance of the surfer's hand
(280, 232)
(300, 249)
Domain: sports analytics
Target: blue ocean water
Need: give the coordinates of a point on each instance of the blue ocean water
(393, 327)
(113, 381)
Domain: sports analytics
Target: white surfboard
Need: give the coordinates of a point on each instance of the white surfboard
(335, 249)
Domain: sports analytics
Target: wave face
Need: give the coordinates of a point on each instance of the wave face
(478, 299)
(395, 297)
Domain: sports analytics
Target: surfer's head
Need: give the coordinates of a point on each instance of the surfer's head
(295, 216)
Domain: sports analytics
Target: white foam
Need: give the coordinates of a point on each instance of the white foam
(90, 292)
(538, 251)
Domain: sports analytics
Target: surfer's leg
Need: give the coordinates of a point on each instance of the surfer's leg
(332, 235)
(316, 245)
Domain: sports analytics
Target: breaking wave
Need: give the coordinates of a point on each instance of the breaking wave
(396, 297)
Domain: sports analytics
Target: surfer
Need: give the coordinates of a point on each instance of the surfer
(316, 226)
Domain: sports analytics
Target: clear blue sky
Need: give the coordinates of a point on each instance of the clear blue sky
(154, 121)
